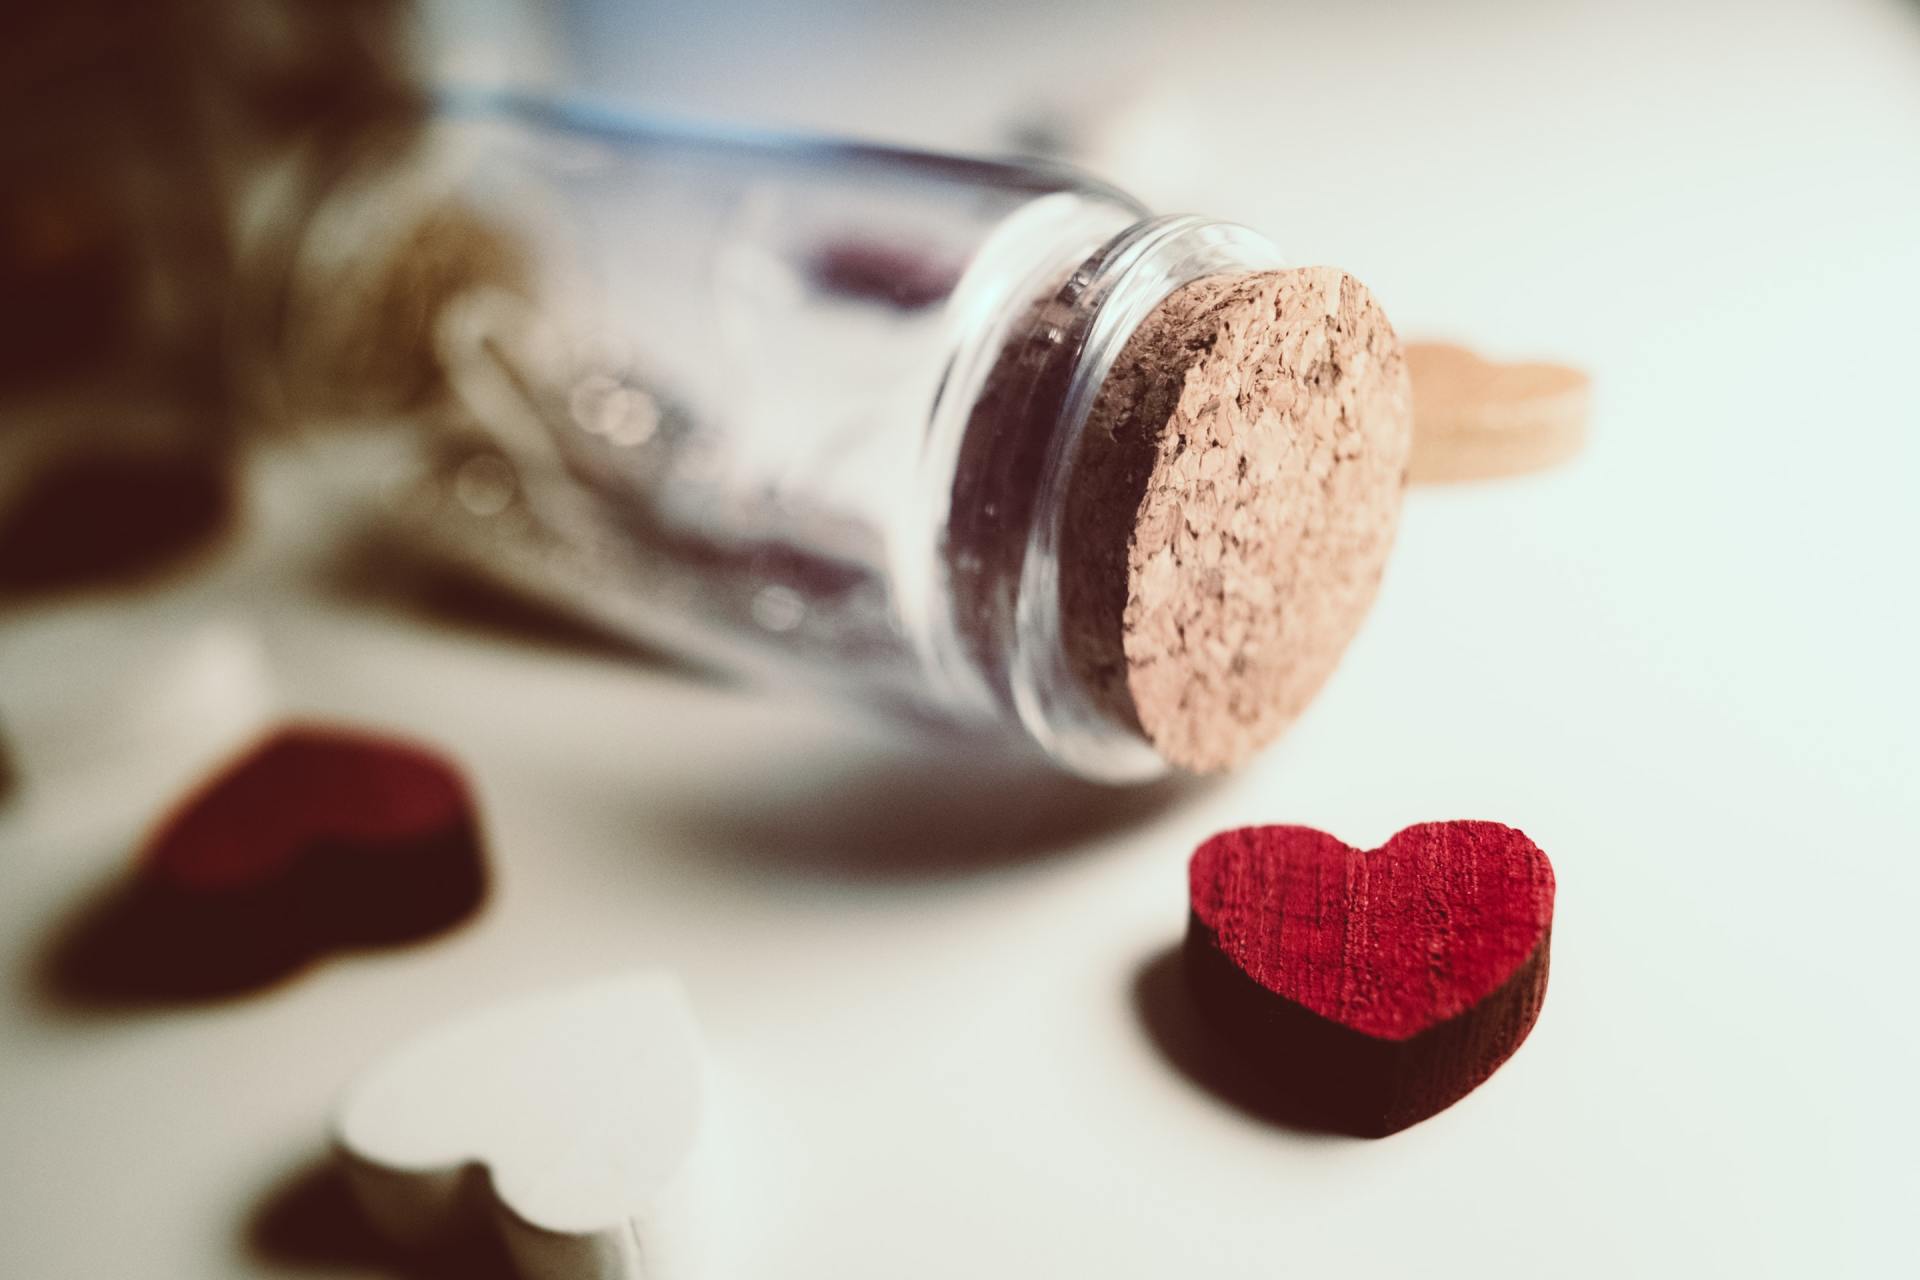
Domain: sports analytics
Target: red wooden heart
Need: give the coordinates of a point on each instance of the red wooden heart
(316, 839)
(1375, 988)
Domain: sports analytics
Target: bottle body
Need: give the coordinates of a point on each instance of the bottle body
(793, 411)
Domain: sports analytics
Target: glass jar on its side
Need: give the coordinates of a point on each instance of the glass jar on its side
(817, 411)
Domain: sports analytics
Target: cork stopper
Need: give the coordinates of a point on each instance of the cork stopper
(1234, 499)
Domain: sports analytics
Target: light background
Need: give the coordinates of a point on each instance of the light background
(1684, 664)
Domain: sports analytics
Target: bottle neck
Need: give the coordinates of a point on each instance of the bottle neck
(1008, 550)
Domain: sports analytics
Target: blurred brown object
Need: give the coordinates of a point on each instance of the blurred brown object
(111, 518)
(354, 335)
(136, 137)
(66, 274)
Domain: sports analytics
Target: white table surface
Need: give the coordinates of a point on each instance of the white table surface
(949, 1040)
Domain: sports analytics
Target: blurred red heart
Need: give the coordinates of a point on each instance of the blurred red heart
(316, 839)
(1373, 988)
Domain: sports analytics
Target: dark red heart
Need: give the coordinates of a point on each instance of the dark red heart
(1373, 988)
(316, 839)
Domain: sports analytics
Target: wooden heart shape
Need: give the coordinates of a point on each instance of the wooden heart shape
(568, 1120)
(1474, 418)
(1372, 988)
(317, 838)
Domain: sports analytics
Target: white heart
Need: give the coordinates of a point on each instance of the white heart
(569, 1119)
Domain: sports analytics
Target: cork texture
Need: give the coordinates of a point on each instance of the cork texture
(1236, 494)
(1476, 419)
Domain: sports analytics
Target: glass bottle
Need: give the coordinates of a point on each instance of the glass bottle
(793, 410)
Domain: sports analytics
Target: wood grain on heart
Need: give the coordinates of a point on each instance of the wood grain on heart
(567, 1122)
(1371, 988)
(1476, 419)
(316, 838)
